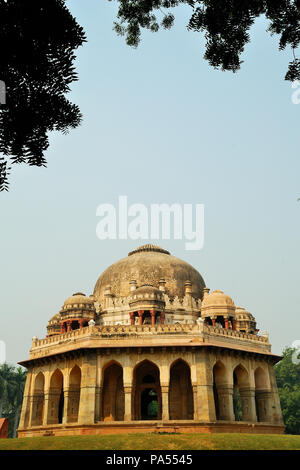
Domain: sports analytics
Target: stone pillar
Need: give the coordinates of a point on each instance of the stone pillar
(62, 327)
(69, 323)
(31, 410)
(165, 402)
(248, 404)
(80, 321)
(213, 320)
(46, 408)
(195, 399)
(264, 410)
(162, 318)
(98, 411)
(128, 402)
(66, 404)
(226, 323)
(87, 405)
(205, 403)
(225, 396)
(24, 417)
(205, 397)
(131, 315)
(152, 313)
(141, 313)
(127, 380)
(234, 325)
(276, 413)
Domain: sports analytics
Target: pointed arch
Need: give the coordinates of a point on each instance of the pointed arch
(113, 398)
(181, 400)
(146, 391)
(38, 400)
(241, 382)
(56, 398)
(74, 394)
(219, 379)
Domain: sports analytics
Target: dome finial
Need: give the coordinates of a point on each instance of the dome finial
(149, 247)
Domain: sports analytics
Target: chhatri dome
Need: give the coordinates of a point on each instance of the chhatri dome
(152, 349)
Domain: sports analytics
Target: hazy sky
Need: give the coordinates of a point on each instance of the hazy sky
(161, 126)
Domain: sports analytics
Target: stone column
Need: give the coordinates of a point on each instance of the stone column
(248, 404)
(62, 327)
(31, 410)
(46, 407)
(195, 399)
(264, 411)
(226, 323)
(162, 318)
(205, 396)
(140, 313)
(213, 320)
(24, 418)
(128, 401)
(80, 321)
(66, 404)
(98, 411)
(131, 315)
(234, 325)
(276, 413)
(127, 379)
(87, 405)
(69, 323)
(152, 313)
(225, 396)
(165, 402)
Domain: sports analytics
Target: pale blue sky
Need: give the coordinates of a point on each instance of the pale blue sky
(161, 126)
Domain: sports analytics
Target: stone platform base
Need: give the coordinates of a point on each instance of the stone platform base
(125, 427)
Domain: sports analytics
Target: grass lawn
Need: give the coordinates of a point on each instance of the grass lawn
(156, 442)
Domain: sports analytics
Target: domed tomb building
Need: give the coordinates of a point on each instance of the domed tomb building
(150, 350)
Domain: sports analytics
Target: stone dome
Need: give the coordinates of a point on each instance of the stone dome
(243, 314)
(217, 304)
(216, 298)
(78, 301)
(152, 265)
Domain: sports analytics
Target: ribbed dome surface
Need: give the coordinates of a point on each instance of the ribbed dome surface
(149, 264)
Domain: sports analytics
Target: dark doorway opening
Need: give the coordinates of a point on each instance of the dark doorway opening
(149, 404)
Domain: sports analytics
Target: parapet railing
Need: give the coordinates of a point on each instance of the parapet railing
(136, 330)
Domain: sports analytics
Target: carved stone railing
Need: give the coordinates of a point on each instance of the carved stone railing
(213, 330)
(110, 331)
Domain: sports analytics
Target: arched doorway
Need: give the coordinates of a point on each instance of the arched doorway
(219, 381)
(56, 398)
(74, 395)
(38, 400)
(241, 403)
(113, 398)
(181, 403)
(147, 392)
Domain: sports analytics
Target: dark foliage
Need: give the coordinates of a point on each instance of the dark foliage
(288, 382)
(38, 40)
(225, 23)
